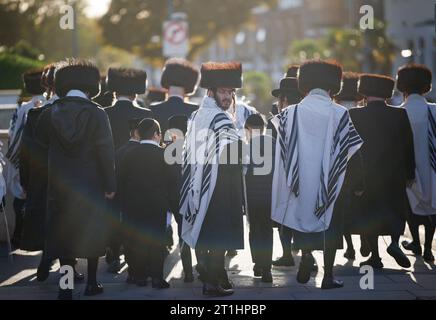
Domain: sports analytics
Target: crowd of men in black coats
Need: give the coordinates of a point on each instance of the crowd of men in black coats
(97, 182)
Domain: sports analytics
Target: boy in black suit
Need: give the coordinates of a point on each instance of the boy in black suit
(144, 177)
(259, 184)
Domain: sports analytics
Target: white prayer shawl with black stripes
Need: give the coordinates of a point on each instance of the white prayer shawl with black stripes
(243, 111)
(422, 116)
(209, 131)
(13, 154)
(316, 138)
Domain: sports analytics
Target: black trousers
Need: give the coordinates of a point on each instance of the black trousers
(285, 234)
(261, 237)
(429, 222)
(185, 252)
(145, 258)
(215, 266)
(19, 218)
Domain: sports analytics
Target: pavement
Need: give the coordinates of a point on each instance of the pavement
(18, 279)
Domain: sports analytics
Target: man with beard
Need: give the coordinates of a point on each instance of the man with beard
(212, 188)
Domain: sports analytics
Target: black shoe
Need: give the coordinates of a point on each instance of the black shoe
(314, 267)
(257, 271)
(43, 271)
(93, 289)
(189, 278)
(232, 253)
(399, 256)
(226, 283)
(306, 265)
(350, 254)
(412, 246)
(130, 279)
(216, 291)
(284, 262)
(65, 294)
(141, 282)
(159, 284)
(376, 263)
(428, 255)
(267, 277)
(331, 283)
(364, 249)
(78, 277)
(114, 267)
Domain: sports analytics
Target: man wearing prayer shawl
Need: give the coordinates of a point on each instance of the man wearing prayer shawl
(414, 81)
(389, 165)
(211, 197)
(315, 142)
(33, 87)
(287, 94)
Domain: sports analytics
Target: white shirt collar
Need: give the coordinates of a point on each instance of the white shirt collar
(134, 102)
(320, 92)
(77, 93)
(150, 142)
(124, 99)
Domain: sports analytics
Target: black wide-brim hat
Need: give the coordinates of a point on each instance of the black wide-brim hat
(414, 78)
(77, 74)
(287, 86)
(179, 72)
(320, 74)
(126, 81)
(350, 81)
(376, 85)
(33, 82)
(221, 75)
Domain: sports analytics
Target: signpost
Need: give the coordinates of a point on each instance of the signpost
(176, 36)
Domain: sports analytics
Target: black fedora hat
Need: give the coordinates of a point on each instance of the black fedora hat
(287, 85)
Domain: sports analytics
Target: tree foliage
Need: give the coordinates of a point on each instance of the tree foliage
(257, 89)
(136, 25)
(356, 50)
(36, 22)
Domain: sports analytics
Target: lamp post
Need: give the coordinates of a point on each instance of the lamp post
(170, 8)
(75, 42)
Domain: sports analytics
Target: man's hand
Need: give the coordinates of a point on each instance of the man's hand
(109, 195)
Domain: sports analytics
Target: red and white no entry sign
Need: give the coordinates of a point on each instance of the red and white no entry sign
(175, 36)
(176, 32)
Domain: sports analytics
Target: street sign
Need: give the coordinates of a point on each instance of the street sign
(175, 38)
